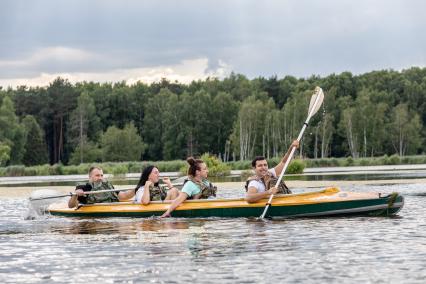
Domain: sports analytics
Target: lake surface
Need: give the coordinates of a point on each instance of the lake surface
(51, 249)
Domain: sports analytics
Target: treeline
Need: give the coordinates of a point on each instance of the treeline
(373, 114)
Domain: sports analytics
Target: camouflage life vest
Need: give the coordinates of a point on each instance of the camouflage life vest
(157, 193)
(206, 190)
(270, 181)
(103, 197)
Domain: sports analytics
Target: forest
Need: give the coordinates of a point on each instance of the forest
(235, 118)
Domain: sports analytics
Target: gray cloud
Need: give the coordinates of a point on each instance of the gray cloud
(255, 38)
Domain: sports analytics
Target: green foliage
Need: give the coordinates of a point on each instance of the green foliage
(349, 162)
(90, 152)
(239, 165)
(394, 160)
(159, 121)
(84, 125)
(246, 174)
(405, 130)
(62, 100)
(76, 169)
(122, 144)
(39, 170)
(364, 162)
(120, 169)
(4, 153)
(195, 115)
(295, 167)
(169, 166)
(15, 171)
(375, 161)
(215, 166)
(250, 125)
(35, 152)
(180, 165)
(367, 115)
(56, 169)
(11, 132)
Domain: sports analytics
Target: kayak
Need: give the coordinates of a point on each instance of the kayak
(328, 202)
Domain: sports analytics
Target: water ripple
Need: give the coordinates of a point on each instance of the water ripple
(127, 250)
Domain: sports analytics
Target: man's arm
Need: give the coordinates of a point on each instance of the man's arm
(73, 202)
(253, 196)
(281, 164)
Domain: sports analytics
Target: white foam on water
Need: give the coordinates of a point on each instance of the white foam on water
(37, 206)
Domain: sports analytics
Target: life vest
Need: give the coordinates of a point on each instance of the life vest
(270, 181)
(206, 190)
(102, 197)
(157, 193)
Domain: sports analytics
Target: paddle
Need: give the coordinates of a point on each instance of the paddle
(71, 194)
(314, 105)
(87, 192)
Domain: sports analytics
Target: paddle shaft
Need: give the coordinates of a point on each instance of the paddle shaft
(287, 162)
(87, 192)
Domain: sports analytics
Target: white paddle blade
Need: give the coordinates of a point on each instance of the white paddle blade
(316, 101)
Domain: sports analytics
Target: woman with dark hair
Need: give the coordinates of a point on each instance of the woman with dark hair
(195, 187)
(148, 188)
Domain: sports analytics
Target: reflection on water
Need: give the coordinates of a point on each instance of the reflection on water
(312, 250)
(123, 228)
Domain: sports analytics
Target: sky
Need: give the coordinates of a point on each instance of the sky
(185, 40)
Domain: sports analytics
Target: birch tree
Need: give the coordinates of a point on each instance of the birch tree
(250, 126)
(405, 130)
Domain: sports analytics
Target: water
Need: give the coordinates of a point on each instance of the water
(128, 250)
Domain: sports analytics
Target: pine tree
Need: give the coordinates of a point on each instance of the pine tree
(35, 149)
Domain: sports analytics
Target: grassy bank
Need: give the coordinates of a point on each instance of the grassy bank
(296, 166)
(109, 168)
(343, 162)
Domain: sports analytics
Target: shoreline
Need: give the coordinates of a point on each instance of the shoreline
(324, 171)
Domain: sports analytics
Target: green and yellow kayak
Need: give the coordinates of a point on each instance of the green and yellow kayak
(327, 202)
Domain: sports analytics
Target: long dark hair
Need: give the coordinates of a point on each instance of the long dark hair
(194, 165)
(144, 177)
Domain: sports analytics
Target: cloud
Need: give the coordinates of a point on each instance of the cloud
(108, 41)
(185, 72)
(49, 54)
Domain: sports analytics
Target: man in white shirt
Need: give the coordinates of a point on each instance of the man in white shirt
(258, 186)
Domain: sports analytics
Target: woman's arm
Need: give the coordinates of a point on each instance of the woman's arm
(178, 201)
(126, 195)
(146, 199)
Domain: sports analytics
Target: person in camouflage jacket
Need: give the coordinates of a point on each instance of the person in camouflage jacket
(97, 183)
